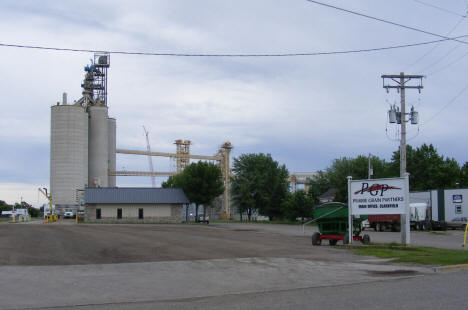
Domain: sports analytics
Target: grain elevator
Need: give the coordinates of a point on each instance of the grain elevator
(83, 139)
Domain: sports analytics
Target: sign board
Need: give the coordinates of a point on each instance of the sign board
(378, 196)
(457, 198)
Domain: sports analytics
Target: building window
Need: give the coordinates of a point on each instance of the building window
(119, 213)
(458, 209)
(140, 213)
(98, 214)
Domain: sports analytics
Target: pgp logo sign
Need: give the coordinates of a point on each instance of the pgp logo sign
(378, 196)
(375, 189)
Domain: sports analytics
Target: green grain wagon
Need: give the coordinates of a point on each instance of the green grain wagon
(332, 221)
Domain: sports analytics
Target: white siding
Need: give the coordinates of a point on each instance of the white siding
(131, 211)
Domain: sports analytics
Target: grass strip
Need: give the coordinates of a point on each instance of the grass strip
(413, 254)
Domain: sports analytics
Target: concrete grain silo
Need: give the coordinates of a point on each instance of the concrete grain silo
(83, 140)
(98, 143)
(68, 153)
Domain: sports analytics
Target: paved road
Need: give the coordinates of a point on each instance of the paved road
(73, 285)
(438, 291)
(236, 266)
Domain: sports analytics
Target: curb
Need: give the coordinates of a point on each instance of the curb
(450, 268)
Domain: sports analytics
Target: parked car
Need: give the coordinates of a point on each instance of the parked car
(68, 213)
(457, 223)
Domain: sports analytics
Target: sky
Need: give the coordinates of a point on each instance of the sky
(305, 111)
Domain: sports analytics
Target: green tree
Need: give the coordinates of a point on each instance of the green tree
(298, 204)
(174, 181)
(202, 182)
(427, 169)
(464, 175)
(318, 185)
(357, 168)
(260, 184)
(4, 206)
(33, 212)
(243, 196)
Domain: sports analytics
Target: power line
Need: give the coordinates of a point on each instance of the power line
(382, 20)
(440, 8)
(435, 46)
(440, 59)
(446, 105)
(448, 65)
(227, 54)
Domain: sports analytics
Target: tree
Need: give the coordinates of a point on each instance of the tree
(34, 212)
(243, 196)
(464, 175)
(318, 185)
(260, 184)
(4, 206)
(202, 182)
(427, 169)
(174, 181)
(298, 204)
(357, 168)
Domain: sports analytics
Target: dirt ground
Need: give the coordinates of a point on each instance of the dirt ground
(70, 244)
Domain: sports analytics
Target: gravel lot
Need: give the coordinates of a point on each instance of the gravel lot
(65, 243)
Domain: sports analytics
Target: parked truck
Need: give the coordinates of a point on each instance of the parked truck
(420, 219)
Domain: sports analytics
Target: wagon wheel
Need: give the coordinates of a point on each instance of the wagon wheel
(332, 241)
(346, 239)
(365, 239)
(315, 239)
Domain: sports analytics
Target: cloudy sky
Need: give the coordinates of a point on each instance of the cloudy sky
(305, 110)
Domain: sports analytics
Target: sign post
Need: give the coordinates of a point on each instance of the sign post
(381, 196)
(405, 235)
(350, 213)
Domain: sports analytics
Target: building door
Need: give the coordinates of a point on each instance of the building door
(119, 213)
(140, 213)
(98, 214)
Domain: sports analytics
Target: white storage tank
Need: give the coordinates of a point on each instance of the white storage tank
(112, 127)
(98, 139)
(68, 153)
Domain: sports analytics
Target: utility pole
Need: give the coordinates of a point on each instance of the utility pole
(400, 83)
